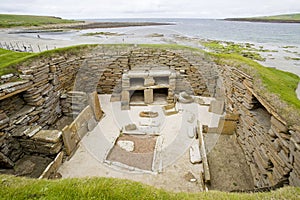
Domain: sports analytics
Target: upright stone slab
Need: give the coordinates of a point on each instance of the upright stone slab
(227, 124)
(125, 100)
(217, 107)
(95, 105)
(148, 96)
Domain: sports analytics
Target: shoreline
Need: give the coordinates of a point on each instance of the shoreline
(70, 37)
(94, 25)
(82, 26)
(283, 21)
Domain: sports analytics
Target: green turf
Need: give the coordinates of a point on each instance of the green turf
(107, 188)
(224, 47)
(287, 18)
(8, 58)
(281, 17)
(8, 21)
(273, 81)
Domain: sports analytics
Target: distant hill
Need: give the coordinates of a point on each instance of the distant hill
(288, 18)
(8, 21)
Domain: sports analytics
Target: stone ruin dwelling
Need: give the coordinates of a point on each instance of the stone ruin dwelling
(55, 102)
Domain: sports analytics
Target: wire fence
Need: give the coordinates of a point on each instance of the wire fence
(24, 47)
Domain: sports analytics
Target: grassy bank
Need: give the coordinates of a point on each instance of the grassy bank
(8, 58)
(223, 47)
(8, 21)
(107, 188)
(288, 18)
(276, 86)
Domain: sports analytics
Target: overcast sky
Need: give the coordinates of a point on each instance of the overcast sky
(83, 9)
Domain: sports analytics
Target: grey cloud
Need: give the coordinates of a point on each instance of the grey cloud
(149, 8)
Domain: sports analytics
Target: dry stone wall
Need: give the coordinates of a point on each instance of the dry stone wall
(270, 146)
(35, 99)
(190, 77)
(31, 105)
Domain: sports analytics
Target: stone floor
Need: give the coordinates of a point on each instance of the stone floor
(228, 167)
(176, 168)
(29, 166)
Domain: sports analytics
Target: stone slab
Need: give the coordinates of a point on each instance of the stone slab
(217, 107)
(95, 105)
(195, 156)
(126, 145)
(51, 136)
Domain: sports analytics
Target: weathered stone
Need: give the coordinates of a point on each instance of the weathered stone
(32, 131)
(70, 139)
(280, 126)
(126, 145)
(53, 167)
(195, 156)
(5, 162)
(3, 119)
(130, 127)
(185, 98)
(217, 107)
(7, 76)
(51, 136)
(23, 112)
(95, 105)
(191, 131)
(148, 114)
(149, 81)
(24, 168)
(226, 127)
(148, 96)
(12, 84)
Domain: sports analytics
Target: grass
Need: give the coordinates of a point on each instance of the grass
(171, 46)
(269, 81)
(282, 17)
(223, 47)
(287, 18)
(8, 58)
(102, 33)
(8, 21)
(107, 188)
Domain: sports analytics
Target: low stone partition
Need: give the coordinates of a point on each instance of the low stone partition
(83, 123)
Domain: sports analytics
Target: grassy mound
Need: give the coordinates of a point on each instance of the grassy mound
(8, 21)
(107, 188)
